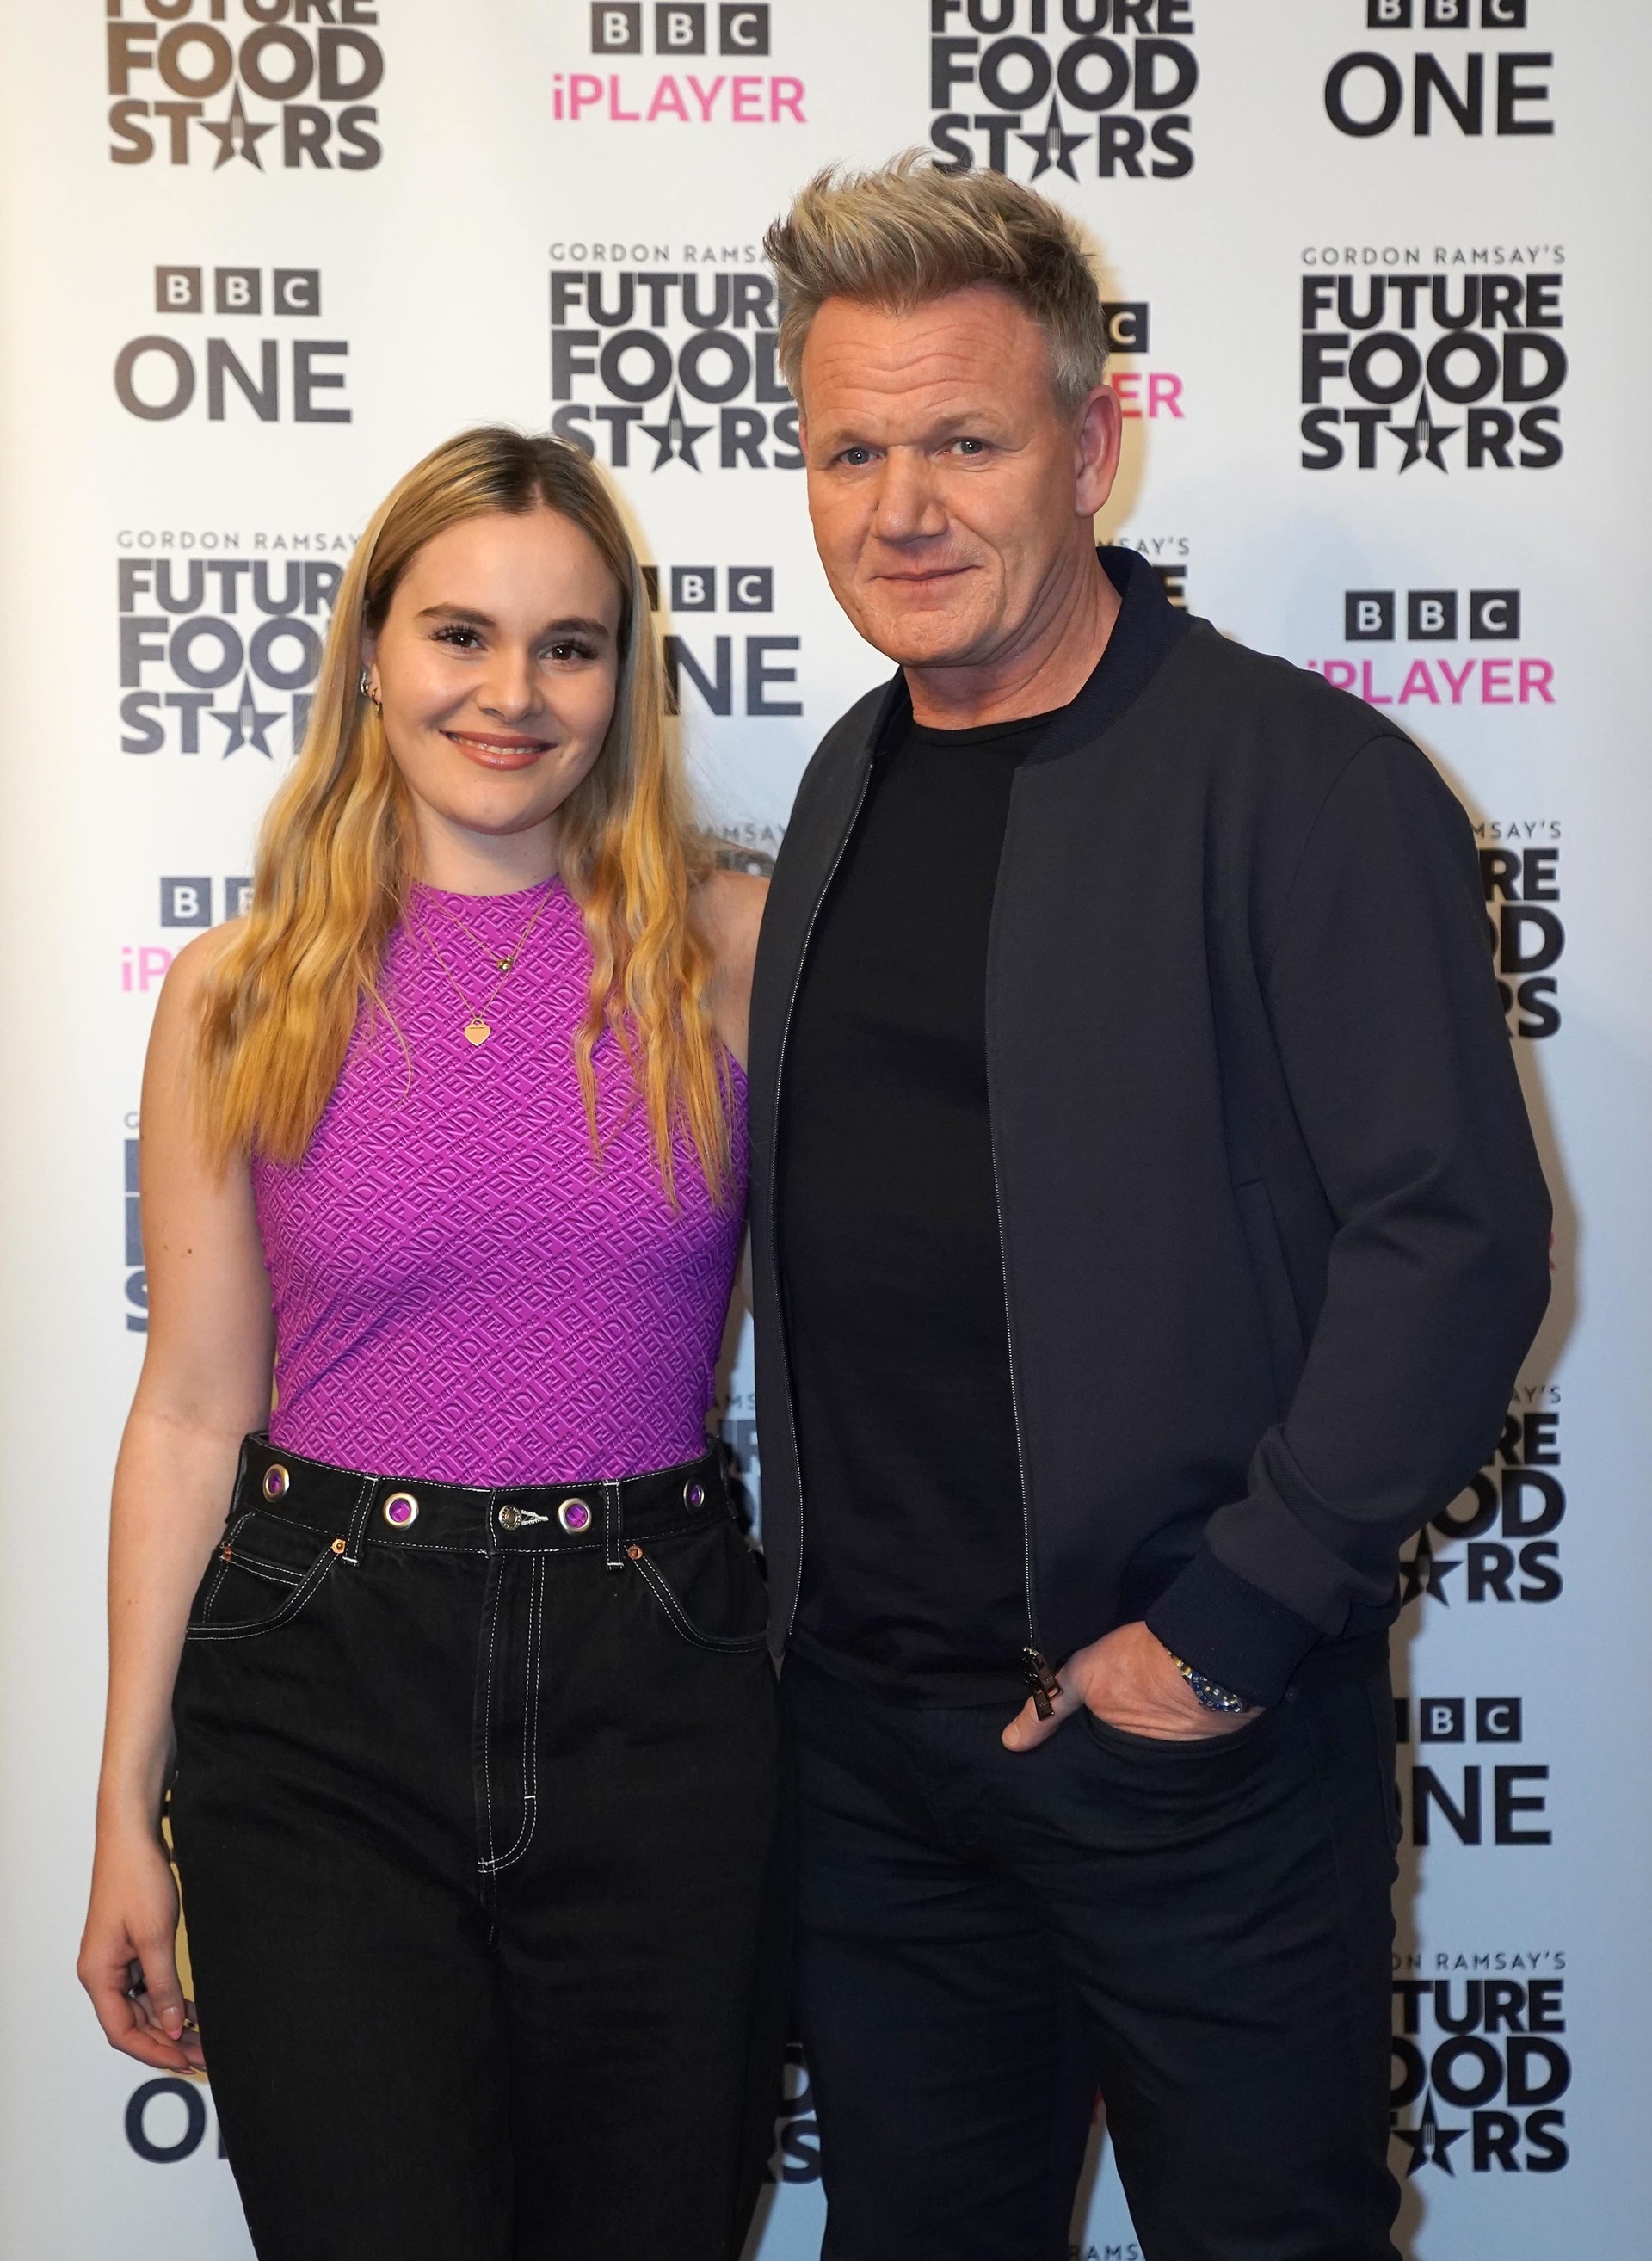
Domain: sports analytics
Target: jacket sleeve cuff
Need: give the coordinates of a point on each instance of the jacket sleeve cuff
(1231, 1631)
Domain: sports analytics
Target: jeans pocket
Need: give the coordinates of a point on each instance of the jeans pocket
(1202, 1758)
(265, 1570)
(713, 1596)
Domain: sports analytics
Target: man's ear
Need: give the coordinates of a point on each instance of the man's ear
(1096, 450)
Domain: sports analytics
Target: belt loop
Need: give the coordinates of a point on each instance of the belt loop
(614, 1557)
(358, 1521)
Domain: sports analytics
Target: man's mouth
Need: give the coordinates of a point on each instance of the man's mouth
(927, 577)
(498, 750)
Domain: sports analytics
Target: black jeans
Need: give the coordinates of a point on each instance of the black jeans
(476, 1814)
(1201, 1929)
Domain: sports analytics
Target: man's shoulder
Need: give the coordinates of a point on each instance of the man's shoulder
(1250, 690)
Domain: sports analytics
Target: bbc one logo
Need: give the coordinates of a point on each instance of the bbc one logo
(714, 36)
(1471, 91)
(162, 374)
(1479, 2069)
(1496, 1542)
(1447, 370)
(1485, 1800)
(190, 80)
(218, 654)
(1093, 89)
(767, 666)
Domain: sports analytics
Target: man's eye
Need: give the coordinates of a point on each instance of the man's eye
(970, 446)
(856, 457)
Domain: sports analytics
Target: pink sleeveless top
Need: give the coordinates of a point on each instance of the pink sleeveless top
(463, 1290)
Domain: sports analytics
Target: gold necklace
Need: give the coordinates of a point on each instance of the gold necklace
(477, 1028)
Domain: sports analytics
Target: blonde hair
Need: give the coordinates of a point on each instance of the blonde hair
(907, 233)
(281, 1003)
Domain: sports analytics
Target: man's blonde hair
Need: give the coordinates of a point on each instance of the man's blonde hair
(907, 232)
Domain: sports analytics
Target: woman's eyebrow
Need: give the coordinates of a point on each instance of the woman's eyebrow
(572, 623)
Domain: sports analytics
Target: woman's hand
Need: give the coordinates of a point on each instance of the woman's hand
(128, 1959)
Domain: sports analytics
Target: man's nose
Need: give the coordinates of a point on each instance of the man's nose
(909, 507)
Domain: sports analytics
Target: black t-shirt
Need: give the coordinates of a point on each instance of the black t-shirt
(914, 1548)
(915, 1574)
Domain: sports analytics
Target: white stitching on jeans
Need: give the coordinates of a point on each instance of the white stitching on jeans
(487, 1716)
(533, 1602)
(684, 1625)
(358, 1525)
(228, 1540)
(530, 1718)
(283, 1615)
(279, 1573)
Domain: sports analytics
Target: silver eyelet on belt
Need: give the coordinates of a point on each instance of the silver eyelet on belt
(574, 1515)
(400, 1509)
(276, 1481)
(693, 1495)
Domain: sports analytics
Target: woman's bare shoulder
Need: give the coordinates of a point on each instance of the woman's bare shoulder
(186, 977)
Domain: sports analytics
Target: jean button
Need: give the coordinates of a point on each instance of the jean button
(511, 1518)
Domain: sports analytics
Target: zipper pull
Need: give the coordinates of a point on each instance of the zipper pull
(1035, 1668)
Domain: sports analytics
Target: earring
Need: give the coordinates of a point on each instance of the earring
(367, 693)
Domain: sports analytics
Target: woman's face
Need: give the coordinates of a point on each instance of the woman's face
(496, 666)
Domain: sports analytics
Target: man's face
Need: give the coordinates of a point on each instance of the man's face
(950, 494)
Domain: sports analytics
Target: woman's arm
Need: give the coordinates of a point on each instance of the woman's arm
(205, 1382)
(730, 908)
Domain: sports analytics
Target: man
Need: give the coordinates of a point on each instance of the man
(1146, 1234)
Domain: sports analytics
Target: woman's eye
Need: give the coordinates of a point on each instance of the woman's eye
(571, 651)
(461, 637)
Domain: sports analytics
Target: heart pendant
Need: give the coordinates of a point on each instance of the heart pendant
(477, 1030)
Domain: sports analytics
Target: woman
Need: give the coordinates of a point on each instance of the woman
(473, 1800)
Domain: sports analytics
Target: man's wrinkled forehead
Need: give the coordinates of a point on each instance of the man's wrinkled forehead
(963, 355)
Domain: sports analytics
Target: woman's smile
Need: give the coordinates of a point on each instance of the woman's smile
(495, 749)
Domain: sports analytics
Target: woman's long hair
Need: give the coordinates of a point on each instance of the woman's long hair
(334, 853)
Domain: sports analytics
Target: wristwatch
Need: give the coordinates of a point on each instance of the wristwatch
(1210, 1693)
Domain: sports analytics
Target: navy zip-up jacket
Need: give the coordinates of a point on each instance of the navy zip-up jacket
(1276, 1234)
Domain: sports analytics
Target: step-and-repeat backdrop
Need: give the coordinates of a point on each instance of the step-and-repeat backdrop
(1376, 280)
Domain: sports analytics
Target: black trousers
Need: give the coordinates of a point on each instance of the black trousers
(1201, 1929)
(476, 1815)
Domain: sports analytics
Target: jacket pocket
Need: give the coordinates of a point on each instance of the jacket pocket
(721, 1589)
(1282, 1322)
(265, 1570)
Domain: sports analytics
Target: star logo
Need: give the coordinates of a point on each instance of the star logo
(244, 725)
(1052, 145)
(236, 135)
(675, 437)
(1424, 437)
(1430, 2142)
(1426, 1572)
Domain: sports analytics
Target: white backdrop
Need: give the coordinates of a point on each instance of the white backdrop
(1380, 304)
